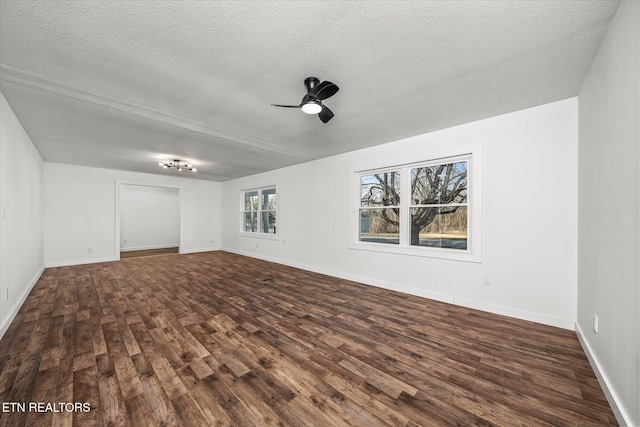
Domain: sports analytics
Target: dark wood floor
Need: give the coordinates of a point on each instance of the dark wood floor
(148, 252)
(219, 339)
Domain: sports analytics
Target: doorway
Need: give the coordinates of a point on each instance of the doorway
(148, 220)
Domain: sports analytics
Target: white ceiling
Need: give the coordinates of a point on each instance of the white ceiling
(125, 84)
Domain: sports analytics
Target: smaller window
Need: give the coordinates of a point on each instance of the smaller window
(259, 211)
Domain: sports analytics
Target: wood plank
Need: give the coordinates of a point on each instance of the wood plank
(86, 389)
(127, 378)
(112, 405)
(203, 397)
(160, 405)
(189, 413)
(168, 378)
(139, 412)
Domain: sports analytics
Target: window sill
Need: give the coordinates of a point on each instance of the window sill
(259, 235)
(426, 252)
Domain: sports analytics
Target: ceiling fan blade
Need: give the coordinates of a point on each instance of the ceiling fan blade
(325, 115)
(324, 90)
(287, 106)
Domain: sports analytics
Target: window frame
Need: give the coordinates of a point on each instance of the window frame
(473, 253)
(361, 208)
(259, 213)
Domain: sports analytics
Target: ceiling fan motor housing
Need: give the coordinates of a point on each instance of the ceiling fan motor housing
(310, 83)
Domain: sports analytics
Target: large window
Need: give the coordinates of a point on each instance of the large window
(259, 211)
(418, 208)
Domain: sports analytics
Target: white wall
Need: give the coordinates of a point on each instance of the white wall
(149, 217)
(73, 194)
(529, 220)
(609, 213)
(21, 234)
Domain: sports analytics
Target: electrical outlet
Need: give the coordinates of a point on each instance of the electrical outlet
(125, 241)
(90, 250)
(487, 280)
(596, 323)
(7, 293)
(346, 261)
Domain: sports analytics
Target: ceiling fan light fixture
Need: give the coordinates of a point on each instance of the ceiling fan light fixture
(312, 101)
(312, 107)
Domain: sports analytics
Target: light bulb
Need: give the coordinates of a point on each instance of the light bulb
(312, 107)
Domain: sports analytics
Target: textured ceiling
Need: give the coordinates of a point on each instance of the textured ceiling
(124, 84)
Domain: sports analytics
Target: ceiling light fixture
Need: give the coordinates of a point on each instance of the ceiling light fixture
(312, 107)
(176, 164)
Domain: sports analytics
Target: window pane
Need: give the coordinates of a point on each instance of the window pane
(269, 200)
(380, 189)
(379, 225)
(250, 221)
(440, 227)
(268, 223)
(251, 201)
(439, 184)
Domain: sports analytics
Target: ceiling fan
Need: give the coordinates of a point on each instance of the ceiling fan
(312, 102)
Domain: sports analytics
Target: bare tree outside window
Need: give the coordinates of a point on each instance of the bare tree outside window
(380, 207)
(437, 205)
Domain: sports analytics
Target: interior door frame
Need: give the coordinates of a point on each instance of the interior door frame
(119, 185)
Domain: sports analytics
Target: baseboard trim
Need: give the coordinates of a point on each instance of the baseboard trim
(111, 259)
(23, 298)
(79, 262)
(531, 316)
(197, 250)
(622, 416)
(146, 248)
(451, 299)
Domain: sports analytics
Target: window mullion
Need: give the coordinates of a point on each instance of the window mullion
(405, 199)
(259, 212)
